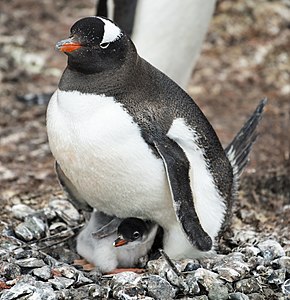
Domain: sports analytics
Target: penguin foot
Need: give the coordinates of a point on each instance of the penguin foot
(117, 271)
(84, 264)
(80, 262)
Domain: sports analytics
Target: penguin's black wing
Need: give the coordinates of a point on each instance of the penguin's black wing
(177, 170)
(67, 185)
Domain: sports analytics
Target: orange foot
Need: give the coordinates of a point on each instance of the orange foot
(89, 267)
(85, 264)
(117, 271)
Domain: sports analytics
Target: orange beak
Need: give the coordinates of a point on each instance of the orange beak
(68, 45)
(120, 242)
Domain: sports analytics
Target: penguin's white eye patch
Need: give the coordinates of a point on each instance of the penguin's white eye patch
(111, 31)
(104, 45)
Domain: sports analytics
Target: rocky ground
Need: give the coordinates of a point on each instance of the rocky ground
(245, 58)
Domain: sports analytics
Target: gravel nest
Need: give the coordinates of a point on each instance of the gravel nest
(38, 252)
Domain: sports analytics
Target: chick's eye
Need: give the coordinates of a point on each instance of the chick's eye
(104, 45)
(136, 234)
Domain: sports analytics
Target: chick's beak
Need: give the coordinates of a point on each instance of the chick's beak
(68, 45)
(120, 242)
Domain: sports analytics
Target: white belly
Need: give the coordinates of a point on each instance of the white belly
(100, 149)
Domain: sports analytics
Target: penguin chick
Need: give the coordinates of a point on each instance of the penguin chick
(116, 244)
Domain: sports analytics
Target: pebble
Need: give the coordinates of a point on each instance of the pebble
(30, 262)
(9, 270)
(256, 296)
(232, 267)
(159, 288)
(29, 288)
(66, 271)
(248, 285)
(60, 283)
(191, 266)
(57, 227)
(125, 277)
(286, 287)
(43, 272)
(271, 249)
(282, 262)
(277, 276)
(251, 251)
(207, 278)
(32, 228)
(20, 211)
(218, 292)
(160, 266)
(66, 211)
(193, 286)
(238, 296)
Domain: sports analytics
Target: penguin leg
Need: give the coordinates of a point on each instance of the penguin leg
(177, 170)
(67, 185)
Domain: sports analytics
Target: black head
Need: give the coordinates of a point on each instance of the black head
(96, 44)
(131, 230)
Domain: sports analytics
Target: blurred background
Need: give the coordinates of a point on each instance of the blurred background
(244, 58)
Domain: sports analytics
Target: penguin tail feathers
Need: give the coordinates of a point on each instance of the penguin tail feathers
(239, 149)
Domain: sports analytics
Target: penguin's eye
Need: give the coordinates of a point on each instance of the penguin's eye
(136, 235)
(104, 45)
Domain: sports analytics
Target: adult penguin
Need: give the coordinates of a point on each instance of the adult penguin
(131, 143)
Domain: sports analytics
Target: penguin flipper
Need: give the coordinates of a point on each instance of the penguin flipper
(108, 229)
(74, 197)
(177, 171)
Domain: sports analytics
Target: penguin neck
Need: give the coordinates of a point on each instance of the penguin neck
(108, 83)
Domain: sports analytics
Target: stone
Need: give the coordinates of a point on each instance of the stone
(31, 262)
(9, 270)
(61, 282)
(191, 266)
(159, 288)
(232, 267)
(125, 277)
(177, 280)
(58, 227)
(247, 285)
(20, 211)
(128, 292)
(218, 292)
(66, 211)
(32, 228)
(277, 277)
(207, 278)
(238, 296)
(161, 267)
(43, 272)
(271, 249)
(29, 288)
(66, 271)
(251, 251)
(282, 262)
(256, 296)
(193, 287)
(286, 287)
